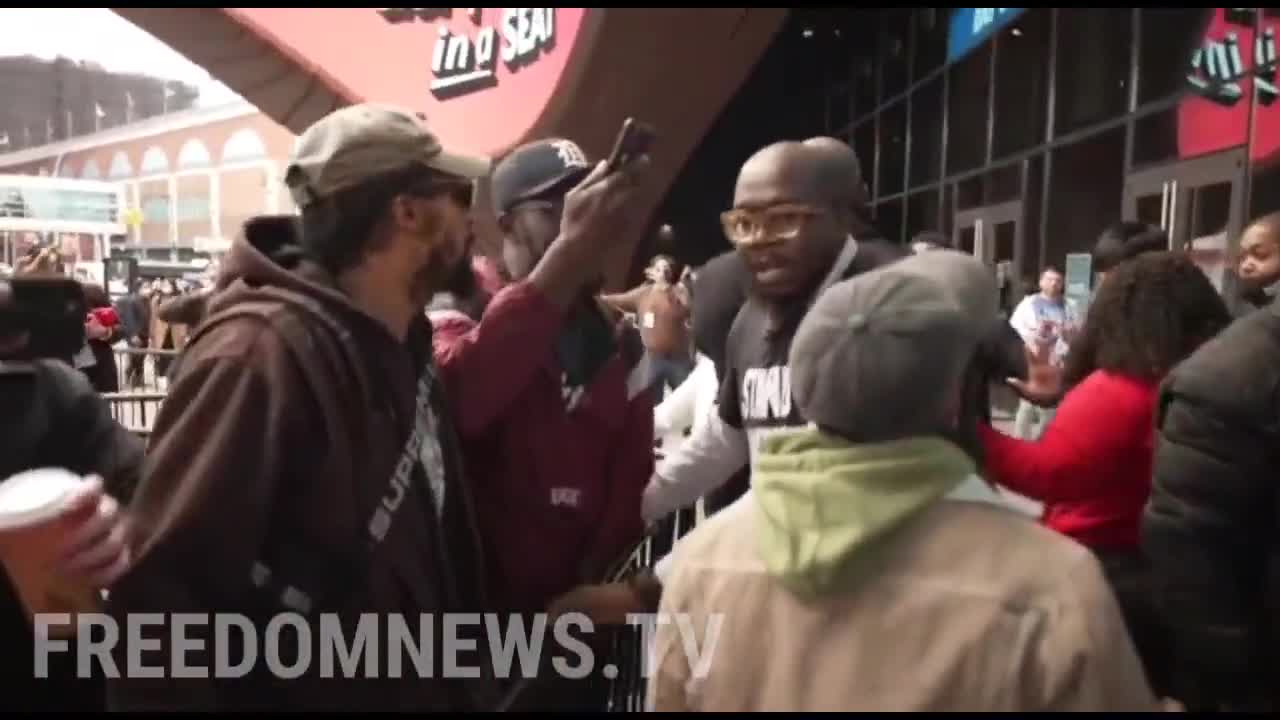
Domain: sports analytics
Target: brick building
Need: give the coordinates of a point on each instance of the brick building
(193, 176)
(42, 101)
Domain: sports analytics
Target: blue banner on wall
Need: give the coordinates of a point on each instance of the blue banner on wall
(970, 27)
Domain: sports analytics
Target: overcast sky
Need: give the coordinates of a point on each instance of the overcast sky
(101, 36)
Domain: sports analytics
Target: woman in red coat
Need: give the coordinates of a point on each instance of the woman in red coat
(1092, 466)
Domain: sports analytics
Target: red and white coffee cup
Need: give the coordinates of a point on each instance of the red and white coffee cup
(33, 527)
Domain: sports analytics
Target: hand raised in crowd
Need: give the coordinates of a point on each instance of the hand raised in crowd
(592, 226)
(44, 261)
(596, 210)
(1043, 385)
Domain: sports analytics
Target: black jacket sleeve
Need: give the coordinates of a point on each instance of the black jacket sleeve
(1002, 352)
(1210, 528)
(85, 437)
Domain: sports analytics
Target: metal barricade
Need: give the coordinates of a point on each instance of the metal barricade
(628, 648)
(142, 369)
(136, 411)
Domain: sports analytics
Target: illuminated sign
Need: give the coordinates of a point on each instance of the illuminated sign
(1229, 63)
(482, 76)
(1218, 68)
(970, 27)
(463, 62)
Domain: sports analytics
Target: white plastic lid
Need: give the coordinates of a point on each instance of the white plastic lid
(35, 496)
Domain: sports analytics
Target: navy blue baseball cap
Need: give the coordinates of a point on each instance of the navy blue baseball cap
(537, 169)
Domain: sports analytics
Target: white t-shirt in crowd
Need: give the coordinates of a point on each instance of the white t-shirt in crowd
(689, 406)
(1042, 321)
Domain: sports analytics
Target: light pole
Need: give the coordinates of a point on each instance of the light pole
(57, 163)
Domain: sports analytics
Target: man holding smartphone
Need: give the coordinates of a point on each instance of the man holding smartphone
(312, 376)
(553, 414)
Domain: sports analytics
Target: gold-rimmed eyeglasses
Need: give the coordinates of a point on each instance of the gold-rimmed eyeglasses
(747, 226)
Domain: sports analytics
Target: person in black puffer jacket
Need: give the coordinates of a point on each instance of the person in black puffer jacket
(1212, 528)
(51, 417)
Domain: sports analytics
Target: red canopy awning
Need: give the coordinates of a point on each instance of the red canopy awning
(573, 72)
(483, 76)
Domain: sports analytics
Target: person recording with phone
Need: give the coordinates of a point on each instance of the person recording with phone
(315, 318)
(555, 421)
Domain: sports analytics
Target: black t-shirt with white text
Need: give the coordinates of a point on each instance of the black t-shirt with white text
(755, 394)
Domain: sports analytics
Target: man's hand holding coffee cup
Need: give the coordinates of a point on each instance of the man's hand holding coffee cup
(95, 551)
(62, 539)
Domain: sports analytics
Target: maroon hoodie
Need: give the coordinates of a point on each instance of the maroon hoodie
(558, 473)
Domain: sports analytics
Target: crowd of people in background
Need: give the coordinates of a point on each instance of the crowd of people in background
(151, 319)
(367, 416)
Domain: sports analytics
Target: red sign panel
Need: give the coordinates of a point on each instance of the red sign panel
(482, 76)
(1231, 63)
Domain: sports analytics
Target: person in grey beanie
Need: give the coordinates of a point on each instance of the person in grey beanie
(875, 588)
(1001, 355)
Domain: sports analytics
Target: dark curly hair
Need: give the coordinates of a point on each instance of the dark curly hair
(1125, 240)
(1151, 313)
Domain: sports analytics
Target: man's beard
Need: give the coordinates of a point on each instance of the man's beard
(1256, 292)
(462, 280)
(428, 280)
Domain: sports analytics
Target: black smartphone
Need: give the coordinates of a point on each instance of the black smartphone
(633, 140)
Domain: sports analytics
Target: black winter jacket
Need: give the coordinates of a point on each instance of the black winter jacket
(1212, 528)
(51, 417)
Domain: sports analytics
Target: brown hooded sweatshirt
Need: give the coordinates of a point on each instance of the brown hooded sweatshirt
(280, 453)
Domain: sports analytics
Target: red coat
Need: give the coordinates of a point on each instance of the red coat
(1092, 466)
(558, 490)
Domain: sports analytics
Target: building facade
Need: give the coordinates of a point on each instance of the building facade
(1018, 132)
(1022, 133)
(488, 79)
(50, 100)
(191, 178)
